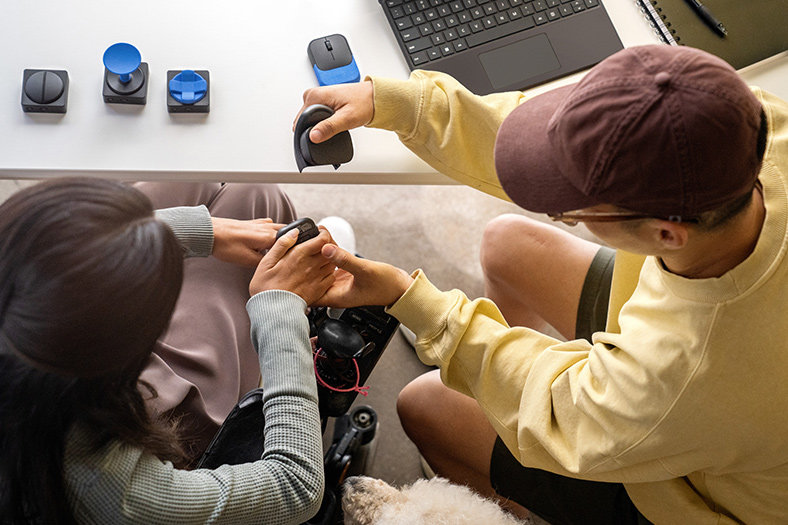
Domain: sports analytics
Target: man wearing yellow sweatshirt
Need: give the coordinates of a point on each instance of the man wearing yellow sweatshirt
(676, 410)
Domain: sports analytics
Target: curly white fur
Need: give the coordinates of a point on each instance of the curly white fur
(368, 501)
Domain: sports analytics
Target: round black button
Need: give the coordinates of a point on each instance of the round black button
(44, 87)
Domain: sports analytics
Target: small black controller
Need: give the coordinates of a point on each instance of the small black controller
(306, 229)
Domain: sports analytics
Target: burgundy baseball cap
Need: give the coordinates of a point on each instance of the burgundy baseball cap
(670, 131)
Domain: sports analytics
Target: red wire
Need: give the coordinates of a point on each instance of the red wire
(355, 388)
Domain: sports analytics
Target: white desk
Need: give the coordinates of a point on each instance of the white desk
(259, 70)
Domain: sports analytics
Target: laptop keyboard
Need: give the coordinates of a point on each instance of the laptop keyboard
(433, 29)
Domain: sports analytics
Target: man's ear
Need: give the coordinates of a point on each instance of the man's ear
(670, 235)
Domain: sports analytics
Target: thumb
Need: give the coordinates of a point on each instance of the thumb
(280, 247)
(325, 129)
(343, 259)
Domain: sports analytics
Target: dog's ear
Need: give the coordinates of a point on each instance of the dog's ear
(363, 498)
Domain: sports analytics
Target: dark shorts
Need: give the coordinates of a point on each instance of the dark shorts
(559, 499)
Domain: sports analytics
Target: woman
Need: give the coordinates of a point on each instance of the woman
(89, 278)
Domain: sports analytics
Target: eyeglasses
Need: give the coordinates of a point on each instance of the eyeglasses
(572, 218)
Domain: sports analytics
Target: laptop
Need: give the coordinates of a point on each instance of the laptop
(502, 45)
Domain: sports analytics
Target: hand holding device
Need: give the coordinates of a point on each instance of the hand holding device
(242, 242)
(309, 279)
(352, 105)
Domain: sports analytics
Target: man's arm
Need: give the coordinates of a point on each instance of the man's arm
(446, 125)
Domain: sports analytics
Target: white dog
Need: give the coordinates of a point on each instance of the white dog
(369, 501)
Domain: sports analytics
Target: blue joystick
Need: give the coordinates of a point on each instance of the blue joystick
(125, 75)
(123, 60)
(188, 87)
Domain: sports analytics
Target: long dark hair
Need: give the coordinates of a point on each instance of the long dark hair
(88, 282)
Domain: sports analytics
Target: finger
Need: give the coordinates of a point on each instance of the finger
(280, 247)
(343, 259)
(325, 129)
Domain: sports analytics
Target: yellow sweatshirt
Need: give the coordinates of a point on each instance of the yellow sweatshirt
(684, 398)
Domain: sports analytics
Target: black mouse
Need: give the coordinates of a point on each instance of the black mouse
(329, 52)
(332, 60)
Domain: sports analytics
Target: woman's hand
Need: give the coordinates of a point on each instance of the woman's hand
(300, 269)
(361, 282)
(353, 106)
(243, 242)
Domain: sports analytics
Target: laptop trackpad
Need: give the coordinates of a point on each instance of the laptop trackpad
(515, 63)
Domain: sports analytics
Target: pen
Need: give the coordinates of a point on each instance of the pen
(707, 17)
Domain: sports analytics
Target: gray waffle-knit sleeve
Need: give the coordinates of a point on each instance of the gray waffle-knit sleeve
(192, 226)
(122, 484)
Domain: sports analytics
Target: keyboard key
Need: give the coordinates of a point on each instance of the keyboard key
(578, 5)
(452, 21)
(540, 5)
(451, 34)
(502, 18)
(397, 12)
(591, 3)
(419, 58)
(566, 10)
(477, 12)
(444, 10)
(409, 8)
(476, 26)
(426, 29)
(404, 23)
(490, 9)
(502, 5)
(392, 3)
(439, 25)
(456, 6)
(464, 17)
(459, 45)
(469, 3)
(553, 14)
(438, 39)
(434, 53)
(540, 19)
(514, 26)
(463, 30)
(422, 5)
(410, 34)
(447, 50)
(553, 3)
(418, 45)
(489, 22)
(528, 9)
(418, 19)
(514, 14)
(431, 14)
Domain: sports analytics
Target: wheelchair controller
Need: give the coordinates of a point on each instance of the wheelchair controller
(348, 346)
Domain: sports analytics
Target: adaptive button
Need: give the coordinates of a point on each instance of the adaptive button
(44, 87)
(125, 75)
(187, 87)
(44, 91)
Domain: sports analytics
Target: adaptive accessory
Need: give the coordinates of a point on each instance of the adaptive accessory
(188, 91)
(335, 151)
(670, 131)
(125, 75)
(332, 60)
(44, 91)
(306, 229)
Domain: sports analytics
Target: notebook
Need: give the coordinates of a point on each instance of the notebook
(502, 45)
(756, 28)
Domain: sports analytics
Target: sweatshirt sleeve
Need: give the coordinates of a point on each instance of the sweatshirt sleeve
(556, 405)
(447, 126)
(192, 226)
(123, 484)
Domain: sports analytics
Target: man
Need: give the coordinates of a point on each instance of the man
(676, 410)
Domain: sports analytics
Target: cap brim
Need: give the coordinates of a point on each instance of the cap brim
(525, 158)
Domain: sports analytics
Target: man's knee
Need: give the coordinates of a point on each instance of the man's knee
(510, 242)
(420, 406)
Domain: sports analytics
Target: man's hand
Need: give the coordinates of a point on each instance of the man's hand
(360, 282)
(300, 269)
(242, 242)
(353, 106)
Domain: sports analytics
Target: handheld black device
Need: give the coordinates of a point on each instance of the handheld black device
(306, 226)
(335, 151)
